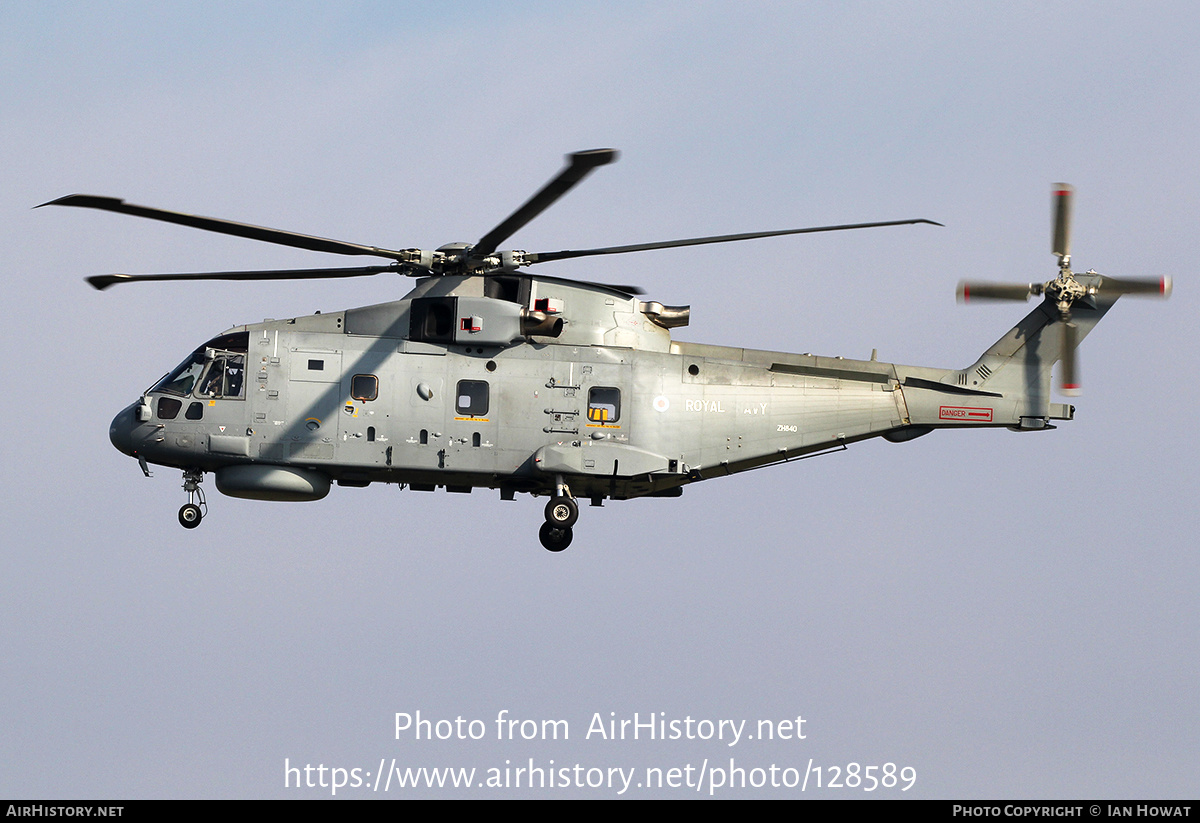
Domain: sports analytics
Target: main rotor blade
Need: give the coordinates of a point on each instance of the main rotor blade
(1155, 286)
(543, 257)
(975, 290)
(1063, 196)
(103, 281)
(220, 226)
(579, 165)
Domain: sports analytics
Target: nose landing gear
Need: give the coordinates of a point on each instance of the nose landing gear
(191, 514)
(562, 512)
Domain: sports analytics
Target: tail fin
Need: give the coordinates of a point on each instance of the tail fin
(1009, 385)
(1019, 364)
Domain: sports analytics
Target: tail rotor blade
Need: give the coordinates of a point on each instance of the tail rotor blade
(1063, 196)
(1151, 286)
(974, 290)
(1069, 377)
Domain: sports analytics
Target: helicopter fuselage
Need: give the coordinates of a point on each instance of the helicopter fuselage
(528, 384)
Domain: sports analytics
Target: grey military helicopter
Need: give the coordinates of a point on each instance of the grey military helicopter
(484, 376)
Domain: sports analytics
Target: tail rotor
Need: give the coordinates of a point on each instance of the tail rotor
(1065, 291)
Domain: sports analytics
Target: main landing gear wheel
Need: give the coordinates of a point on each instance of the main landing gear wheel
(562, 512)
(555, 538)
(190, 516)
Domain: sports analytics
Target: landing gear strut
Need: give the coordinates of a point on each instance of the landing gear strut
(562, 512)
(191, 514)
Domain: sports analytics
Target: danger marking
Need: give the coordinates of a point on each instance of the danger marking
(965, 413)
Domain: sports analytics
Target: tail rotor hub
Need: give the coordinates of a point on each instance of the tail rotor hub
(1064, 292)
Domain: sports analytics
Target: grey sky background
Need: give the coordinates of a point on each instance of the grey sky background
(1010, 615)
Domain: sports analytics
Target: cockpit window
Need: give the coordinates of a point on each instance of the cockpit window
(224, 376)
(207, 373)
(183, 379)
(168, 408)
(238, 341)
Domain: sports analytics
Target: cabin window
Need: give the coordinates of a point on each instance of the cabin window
(195, 410)
(604, 405)
(364, 387)
(472, 397)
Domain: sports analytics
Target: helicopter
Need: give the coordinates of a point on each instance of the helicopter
(485, 376)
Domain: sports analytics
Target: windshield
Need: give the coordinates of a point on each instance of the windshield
(183, 378)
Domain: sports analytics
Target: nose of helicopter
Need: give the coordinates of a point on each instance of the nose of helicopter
(120, 430)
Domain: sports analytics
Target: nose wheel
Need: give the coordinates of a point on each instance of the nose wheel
(190, 516)
(192, 512)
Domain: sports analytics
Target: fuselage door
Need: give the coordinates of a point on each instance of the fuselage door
(314, 404)
(606, 402)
